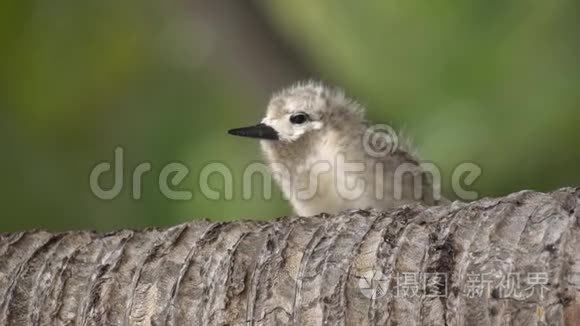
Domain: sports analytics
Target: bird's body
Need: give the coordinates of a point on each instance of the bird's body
(327, 158)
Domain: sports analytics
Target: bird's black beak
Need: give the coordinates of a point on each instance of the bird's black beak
(261, 131)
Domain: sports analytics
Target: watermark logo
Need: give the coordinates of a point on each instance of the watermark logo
(380, 140)
(376, 285)
(373, 284)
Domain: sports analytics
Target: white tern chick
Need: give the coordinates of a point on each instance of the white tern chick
(327, 158)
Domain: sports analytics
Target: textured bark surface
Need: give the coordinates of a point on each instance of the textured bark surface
(307, 271)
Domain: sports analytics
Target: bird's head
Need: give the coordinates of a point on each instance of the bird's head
(302, 110)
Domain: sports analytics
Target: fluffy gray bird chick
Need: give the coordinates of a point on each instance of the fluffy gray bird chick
(327, 158)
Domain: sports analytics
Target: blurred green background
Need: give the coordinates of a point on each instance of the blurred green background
(492, 82)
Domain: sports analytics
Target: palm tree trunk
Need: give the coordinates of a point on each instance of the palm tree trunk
(512, 260)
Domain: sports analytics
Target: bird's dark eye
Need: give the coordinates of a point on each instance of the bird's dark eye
(299, 118)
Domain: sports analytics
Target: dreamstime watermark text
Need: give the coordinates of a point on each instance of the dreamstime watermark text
(386, 171)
